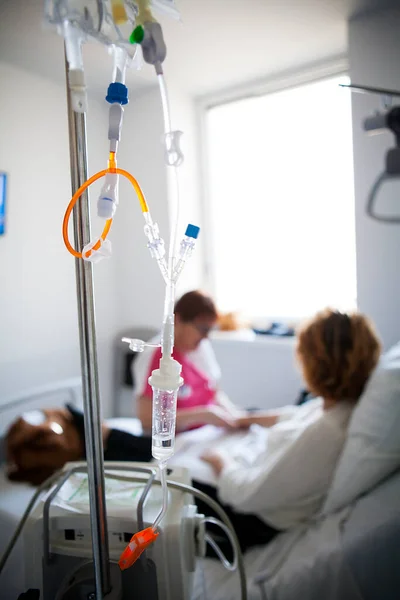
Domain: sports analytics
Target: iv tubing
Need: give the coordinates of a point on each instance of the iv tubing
(229, 566)
(174, 235)
(165, 103)
(163, 479)
(79, 192)
(144, 12)
(120, 62)
(167, 130)
(167, 337)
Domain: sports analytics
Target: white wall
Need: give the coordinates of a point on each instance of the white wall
(259, 373)
(39, 333)
(184, 118)
(374, 48)
(140, 285)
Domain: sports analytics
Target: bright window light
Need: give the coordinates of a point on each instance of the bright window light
(281, 202)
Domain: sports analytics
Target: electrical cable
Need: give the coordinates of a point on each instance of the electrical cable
(228, 565)
(24, 518)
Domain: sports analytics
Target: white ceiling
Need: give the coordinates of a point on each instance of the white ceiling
(217, 44)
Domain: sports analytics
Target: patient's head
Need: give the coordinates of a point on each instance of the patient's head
(195, 316)
(337, 353)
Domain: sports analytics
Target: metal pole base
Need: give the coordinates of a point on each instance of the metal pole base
(81, 585)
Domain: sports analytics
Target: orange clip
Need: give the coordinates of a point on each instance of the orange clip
(139, 542)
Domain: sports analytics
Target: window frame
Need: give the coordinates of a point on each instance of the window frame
(314, 73)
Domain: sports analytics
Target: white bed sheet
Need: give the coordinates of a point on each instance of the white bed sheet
(313, 552)
(277, 558)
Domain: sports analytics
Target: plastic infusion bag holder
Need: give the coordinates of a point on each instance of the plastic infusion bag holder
(95, 19)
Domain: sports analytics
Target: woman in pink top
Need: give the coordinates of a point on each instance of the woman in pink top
(199, 402)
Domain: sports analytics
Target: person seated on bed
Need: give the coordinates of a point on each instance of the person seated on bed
(270, 477)
(285, 480)
(199, 400)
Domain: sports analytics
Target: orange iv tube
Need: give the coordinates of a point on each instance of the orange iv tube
(112, 168)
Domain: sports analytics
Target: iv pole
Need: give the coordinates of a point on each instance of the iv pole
(88, 351)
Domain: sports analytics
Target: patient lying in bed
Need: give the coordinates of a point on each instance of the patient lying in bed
(270, 474)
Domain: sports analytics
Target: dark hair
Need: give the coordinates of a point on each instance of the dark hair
(193, 305)
(338, 353)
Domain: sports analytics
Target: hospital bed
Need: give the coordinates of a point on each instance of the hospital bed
(15, 497)
(353, 554)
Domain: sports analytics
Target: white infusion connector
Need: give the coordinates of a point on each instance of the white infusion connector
(108, 199)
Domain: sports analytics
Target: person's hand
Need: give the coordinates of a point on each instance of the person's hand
(218, 416)
(255, 419)
(224, 402)
(217, 460)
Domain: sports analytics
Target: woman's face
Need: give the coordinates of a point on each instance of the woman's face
(188, 335)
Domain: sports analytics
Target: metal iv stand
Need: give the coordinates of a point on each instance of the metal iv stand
(88, 352)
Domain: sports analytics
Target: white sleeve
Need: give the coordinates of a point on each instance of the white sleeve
(297, 475)
(291, 411)
(284, 413)
(205, 360)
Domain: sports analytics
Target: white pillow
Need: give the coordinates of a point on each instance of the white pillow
(372, 448)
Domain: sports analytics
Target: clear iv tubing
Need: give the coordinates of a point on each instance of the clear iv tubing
(167, 130)
(163, 480)
(165, 103)
(120, 64)
(167, 337)
(229, 566)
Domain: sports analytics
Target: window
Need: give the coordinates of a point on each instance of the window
(281, 202)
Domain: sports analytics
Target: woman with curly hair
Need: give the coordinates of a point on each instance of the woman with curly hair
(271, 475)
(288, 479)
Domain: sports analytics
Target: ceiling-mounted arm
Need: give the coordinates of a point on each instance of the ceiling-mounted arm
(386, 95)
(370, 208)
(381, 121)
(375, 124)
(365, 89)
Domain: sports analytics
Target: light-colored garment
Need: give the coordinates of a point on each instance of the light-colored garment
(203, 358)
(283, 474)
